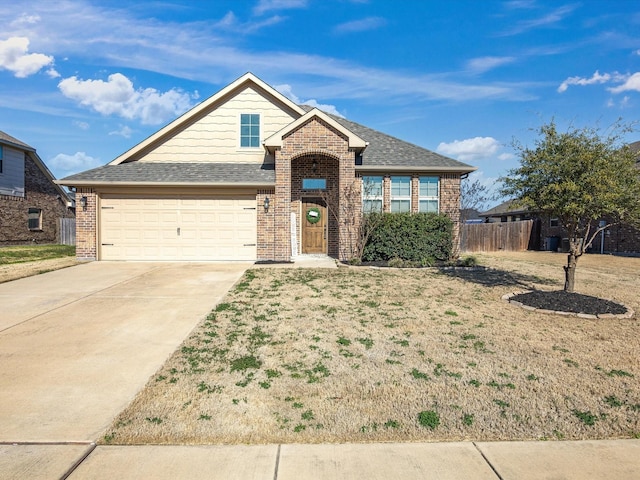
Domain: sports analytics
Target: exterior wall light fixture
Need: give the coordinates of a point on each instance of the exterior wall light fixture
(266, 204)
(83, 203)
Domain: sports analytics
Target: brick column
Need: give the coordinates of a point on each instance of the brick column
(415, 194)
(450, 203)
(86, 225)
(282, 208)
(386, 194)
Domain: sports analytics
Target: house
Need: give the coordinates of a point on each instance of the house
(31, 203)
(250, 175)
(548, 234)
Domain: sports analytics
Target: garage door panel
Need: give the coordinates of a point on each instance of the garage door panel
(178, 228)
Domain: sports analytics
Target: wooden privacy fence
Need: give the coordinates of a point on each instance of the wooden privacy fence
(494, 237)
(67, 231)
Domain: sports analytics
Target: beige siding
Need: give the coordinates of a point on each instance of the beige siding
(216, 137)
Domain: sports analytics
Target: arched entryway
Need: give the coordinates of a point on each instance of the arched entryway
(315, 201)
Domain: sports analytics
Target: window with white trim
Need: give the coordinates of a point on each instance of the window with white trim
(428, 195)
(249, 130)
(35, 219)
(371, 194)
(400, 194)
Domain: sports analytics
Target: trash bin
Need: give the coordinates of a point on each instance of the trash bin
(551, 244)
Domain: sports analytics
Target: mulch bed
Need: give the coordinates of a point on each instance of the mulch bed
(569, 302)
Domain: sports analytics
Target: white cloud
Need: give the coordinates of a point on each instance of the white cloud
(117, 96)
(69, 164)
(14, 57)
(505, 157)
(268, 5)
(25, 19)
(631, 83)
(483, 64)
(286, 90)
(123, 132)
(231, 23)
(550, 19)
(81, 125)
(470, 149)
(53, 73)
(369, 23)
(166, 48)
(595, 78)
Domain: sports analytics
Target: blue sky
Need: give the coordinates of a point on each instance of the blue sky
(83, 81)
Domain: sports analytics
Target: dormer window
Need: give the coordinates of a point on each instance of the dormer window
(249, 130)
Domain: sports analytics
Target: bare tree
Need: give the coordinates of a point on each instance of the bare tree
(346, 208)
(474, 196)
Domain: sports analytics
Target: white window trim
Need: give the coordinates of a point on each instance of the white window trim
(436, 197)
(393, 197)
(240, 147)
(371, 198)
(39, 227)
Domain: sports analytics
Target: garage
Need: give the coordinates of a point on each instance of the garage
(177, 227)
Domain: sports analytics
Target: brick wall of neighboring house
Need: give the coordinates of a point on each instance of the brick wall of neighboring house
(617, 238)
(86, 225)
(314, 138)
(39, 193)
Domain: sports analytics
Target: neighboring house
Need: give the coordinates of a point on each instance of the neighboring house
(31, 203)
(250, 175)
(548, 234)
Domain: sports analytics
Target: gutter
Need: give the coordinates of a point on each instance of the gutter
(391, 168)
(97, 183)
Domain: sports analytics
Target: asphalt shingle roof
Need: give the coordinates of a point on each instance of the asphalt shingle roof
(6, 138)
(387, 151)
(187, 173)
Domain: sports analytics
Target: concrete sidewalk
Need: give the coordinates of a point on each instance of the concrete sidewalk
(584, 460)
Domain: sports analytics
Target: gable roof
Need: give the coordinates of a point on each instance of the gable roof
(275, 140)
(377, 152)
(6, 139)
(505, 208)
(200, 110)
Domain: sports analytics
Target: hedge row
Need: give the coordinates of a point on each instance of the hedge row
(414, 237)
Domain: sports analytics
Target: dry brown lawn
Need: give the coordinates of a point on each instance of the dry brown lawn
(362, 355)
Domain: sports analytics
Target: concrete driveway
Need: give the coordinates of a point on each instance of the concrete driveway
(77, 344)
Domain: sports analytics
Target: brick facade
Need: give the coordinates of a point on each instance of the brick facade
(449, 196)
(39, 193)
(316, 141)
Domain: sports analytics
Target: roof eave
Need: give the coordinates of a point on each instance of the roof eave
(98, 183)
(414, 168)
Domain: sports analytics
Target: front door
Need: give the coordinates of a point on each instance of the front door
(314, 227)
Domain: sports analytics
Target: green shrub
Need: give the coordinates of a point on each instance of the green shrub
(418, 239)
(429, 419)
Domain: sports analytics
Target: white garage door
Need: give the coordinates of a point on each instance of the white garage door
(177, 228)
